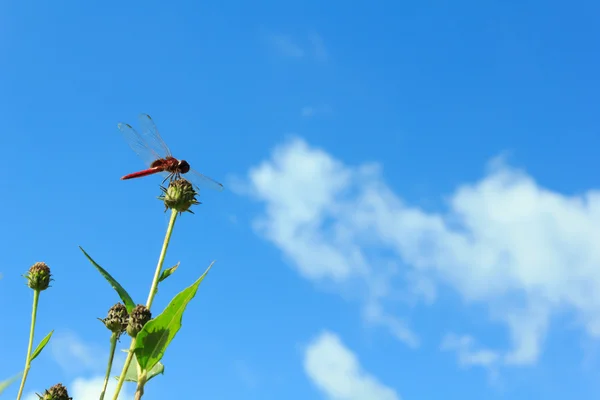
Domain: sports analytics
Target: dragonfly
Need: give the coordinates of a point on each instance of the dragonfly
(156, 154)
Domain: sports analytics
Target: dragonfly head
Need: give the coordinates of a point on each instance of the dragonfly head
(184, 167)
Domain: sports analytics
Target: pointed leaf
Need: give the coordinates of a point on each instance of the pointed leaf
(127, 300)
(158, 369)
(41, 346)
(167, 272)
(8, 382)
(156, 335)
(131, 374)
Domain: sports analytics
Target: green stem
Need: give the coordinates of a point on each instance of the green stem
(125, 368)
(139, 391)
(36, 298)
(111, 356)
(153, 289)
(161, 259)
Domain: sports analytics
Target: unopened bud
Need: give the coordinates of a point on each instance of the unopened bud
(116, 320)
(56, 392)
(137, 319)
(39, 276)
(179, 196)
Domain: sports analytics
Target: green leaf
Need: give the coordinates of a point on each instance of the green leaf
(154, 338)
(127, 300)
(41, 346)
(167, 272)
(158, 369)
(131, 375)
(8, 382)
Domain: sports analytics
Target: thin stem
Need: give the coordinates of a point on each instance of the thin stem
(36, 298)
(161, 259)
(139, 391)
(125, 368)
(111, 356)
(153, 289)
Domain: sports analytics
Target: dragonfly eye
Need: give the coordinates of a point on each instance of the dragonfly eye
(184, 167)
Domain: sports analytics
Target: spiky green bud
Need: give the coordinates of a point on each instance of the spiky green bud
(137, 319)
(56, 392)
(116, 320)
(39, 276)
(179, 195)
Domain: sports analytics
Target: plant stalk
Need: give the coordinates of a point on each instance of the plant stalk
(153, 289)
(36, 298)
(130, 354)
(161, 259)
(111, 356)
(139, 391)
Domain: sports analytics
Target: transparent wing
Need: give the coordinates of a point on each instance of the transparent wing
(202, 181)
(138, 144)
(151, 136)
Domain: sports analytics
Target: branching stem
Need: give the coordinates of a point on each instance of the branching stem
(153, 290)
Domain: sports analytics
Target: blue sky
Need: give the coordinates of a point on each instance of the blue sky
(411, 207)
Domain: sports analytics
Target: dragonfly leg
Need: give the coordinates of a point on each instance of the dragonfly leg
(169, 177)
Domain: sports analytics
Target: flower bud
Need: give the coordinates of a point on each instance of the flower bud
(180, 195)
(137, 319)
(56, 392)
(116, 320)
(39, 276)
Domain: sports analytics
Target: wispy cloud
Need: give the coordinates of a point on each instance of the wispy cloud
(375, 314)
(468, 354)
(294, 221)
(522, 251)
(337, 372)
(74, 355)
(308, 111)
(246, 374)
(89, 389)
(318, 48)
(310, 46)
(311, 111)
(286, 46)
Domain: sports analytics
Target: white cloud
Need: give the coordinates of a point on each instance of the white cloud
(523, 251)
(311, 111)
(336, 371)
(90, 388)
(286, 46)
(467, 354)
(374, 314)
(74, 355)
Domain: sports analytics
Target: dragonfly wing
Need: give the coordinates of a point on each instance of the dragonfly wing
(138, 144)
(152, 137)
(202, 181)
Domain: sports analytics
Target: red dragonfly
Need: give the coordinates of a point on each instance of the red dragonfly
(156, 154)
